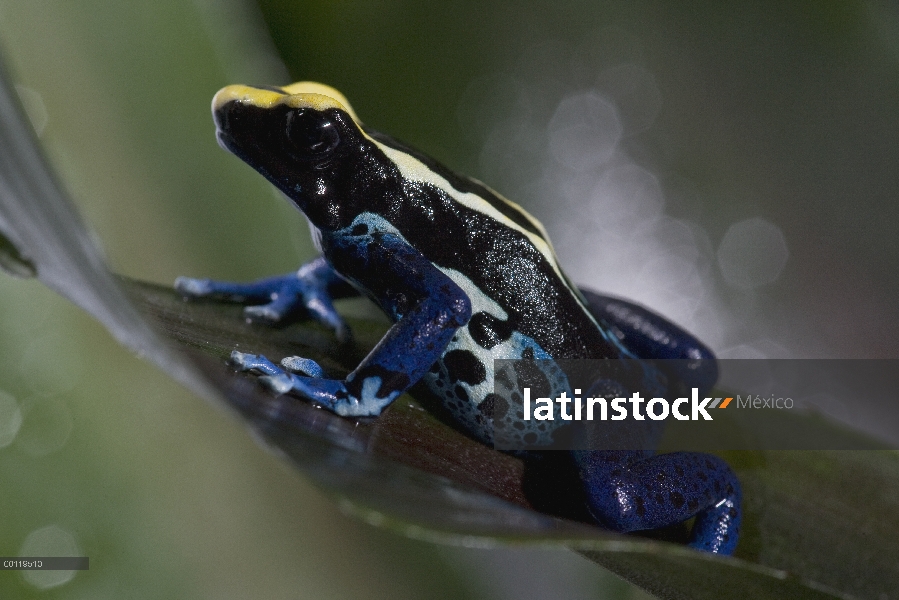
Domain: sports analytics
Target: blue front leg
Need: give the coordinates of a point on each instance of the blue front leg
(313, 287)
(428, 306)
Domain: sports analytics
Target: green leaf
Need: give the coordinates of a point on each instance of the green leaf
(816, 525)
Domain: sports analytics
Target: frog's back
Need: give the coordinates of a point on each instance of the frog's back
(498, 253)
(523, 305)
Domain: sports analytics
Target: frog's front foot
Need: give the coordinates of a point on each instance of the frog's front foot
(294, 364)
(276, 378)
(304, 378)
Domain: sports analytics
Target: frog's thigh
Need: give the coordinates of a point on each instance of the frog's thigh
(651, 336)
(627, 492)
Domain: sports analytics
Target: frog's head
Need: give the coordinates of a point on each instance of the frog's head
(300, 137)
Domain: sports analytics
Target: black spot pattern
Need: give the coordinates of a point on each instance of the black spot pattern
(464, 366)
(502, 378)
(545, 379)
(532, 376)
(488, 331)
(494, 406)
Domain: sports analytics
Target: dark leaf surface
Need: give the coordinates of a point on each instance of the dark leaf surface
(817, 524)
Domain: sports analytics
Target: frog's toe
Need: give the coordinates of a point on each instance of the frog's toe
(280, 384)
(254, 362)
(237, 358)
(189, 287)
(262, 314)
(320, 307)
(283, 302)
(718, 528)
(303, 366)
(242, 360)
(274, 377)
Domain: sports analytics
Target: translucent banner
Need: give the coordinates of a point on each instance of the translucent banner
(631, 404)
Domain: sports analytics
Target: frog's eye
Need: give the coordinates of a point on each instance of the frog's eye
(312, 133)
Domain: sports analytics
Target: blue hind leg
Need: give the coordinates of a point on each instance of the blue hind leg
(631, 491)
(651, 336)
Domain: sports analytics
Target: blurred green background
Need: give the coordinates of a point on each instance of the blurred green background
(759, 143)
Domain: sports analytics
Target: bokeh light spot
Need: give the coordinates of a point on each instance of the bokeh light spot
(753, 253)
(51, 540)
(584, 131)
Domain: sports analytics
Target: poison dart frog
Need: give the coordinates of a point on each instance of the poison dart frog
(466, 277)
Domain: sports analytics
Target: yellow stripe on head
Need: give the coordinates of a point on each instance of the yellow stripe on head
(312, 87)
(304, 94)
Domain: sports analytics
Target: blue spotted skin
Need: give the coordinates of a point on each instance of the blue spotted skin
(467, 277)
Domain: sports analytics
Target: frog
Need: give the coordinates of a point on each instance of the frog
(466, 277)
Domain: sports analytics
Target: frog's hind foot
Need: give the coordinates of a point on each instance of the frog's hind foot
(629, 492)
